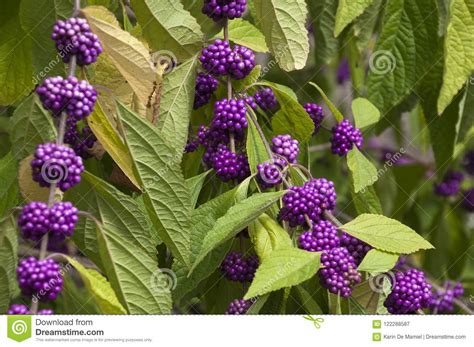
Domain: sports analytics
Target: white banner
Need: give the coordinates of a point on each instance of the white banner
(238, 331)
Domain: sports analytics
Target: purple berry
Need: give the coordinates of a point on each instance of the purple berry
(237, 268)
(357, 248)
(343, 72)
(250, 100)
(410, 292)
(339, 273)
(214, 58)
(33, 220)
(228, 165)
(344, 137)
(240, 62)
(74, 37)
(266, 99)
(41, 278)
(53, 163)
(286, 146)
(468, 162)
(322, 237)
(80, 140)
(205, 86)
(316, 114)
(220, 9)
(76, 98)
(451, 184)
(191, 145)
(309, 200)
(468, 200)
(18, 309)
(239, 306)
(271, 173)
(442, 299)
(230, 115)
(62, 220)
(45, 312)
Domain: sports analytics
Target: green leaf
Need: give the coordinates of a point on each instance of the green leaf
(363, 172)
(347, 11)
(244, 33)
(365, 113)
(165, 192)
(127, 53)
(258, 304)
(404, 53)
(8, 262)
(267, 235)
(16, 65)
(111, 141)
(256, 151)
(336, 113)
(283, 268)
(30, 126)
(366, 201)
(9, 190)
(376, 261)
(252, 77)
(385, 234)
(408, 179)
(100, 289)
(370, 295)
(284, 25)
(195, 185)
(177, 104)
(167, 25)
(310, 305)
(458, 51)
(323, 12)
(237, 218)
(291, 118)
(364, 25)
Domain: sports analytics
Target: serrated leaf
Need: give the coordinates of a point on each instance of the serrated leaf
(244, 33)
(347, 11)
(236, 218)
(256, 151)
(336, 113)
(165, 192)
(283, 24)
(195, 185)
(8, 262)
(369, 300)
(310, 305)
(177, 104)
(30, 126)
(9, 190)
(29, 189)
(127, 53)
(366, 201)
(458, 51)
(167, 25)
(364, 25)
(291, 118)
(404, 53)
(100, 289)
(365, 113)
(363, 172)
(283, 268)
(267, 235)
(111, 141)
(323, 12)
(386, 234)
(376, 261)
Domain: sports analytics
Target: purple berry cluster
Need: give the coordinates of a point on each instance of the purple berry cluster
(451, 184)
(410, 292)
(229, 115)
(316, 114)
(286, 146)
(23, 309)
(271, 173)
(236, 267)
(442, 299)
(357, 248)
(250, 101)
(80, 140)
(40, 278)
(308, 201)
(76, 98)
(339, 272)
(205, 85)
(266, 99)
(74, 37)
(58, 164)
(228, 165)
(238, 306)
(220, 9)
(344, 137)
(241, 62)
(322, 237)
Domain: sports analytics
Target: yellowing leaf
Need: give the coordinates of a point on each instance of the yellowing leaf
(29, 189)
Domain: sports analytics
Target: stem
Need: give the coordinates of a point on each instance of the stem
(260, 132)
(458, 302)
(333, 219)
(319, 148)
(357, 73)
(229, 85)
